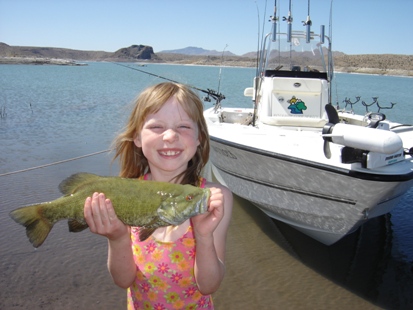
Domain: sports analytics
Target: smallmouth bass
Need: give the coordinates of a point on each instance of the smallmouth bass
(147, 204)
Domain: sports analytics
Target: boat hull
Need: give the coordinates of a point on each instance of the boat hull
(323, 202)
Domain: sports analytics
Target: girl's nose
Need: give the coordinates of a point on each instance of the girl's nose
(170, 135)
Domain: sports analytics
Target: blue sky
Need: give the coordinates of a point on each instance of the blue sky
(359, 26)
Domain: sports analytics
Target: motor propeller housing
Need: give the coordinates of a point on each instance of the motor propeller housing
(358, 140)
(328, 128)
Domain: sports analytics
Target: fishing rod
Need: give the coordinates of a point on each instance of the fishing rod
(274, 20)
(289, 20)
(330, 52)
(307, 23)
(258, 40)
(260, 58)
(216, 95)
(220, 69)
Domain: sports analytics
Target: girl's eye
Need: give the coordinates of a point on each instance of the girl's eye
(185, 125)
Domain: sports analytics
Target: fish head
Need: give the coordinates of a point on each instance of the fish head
(182, 204)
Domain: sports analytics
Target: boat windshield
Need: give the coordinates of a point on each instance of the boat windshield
(296, 55)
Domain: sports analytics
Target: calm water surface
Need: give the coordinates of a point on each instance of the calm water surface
(55, 113)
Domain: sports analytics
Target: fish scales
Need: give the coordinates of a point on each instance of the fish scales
(147, 204)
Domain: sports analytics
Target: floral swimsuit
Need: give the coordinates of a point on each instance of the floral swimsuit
(165, 273)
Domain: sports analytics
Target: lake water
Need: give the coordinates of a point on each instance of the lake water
(59, 114)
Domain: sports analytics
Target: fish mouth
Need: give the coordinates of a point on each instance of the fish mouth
(203, 203)
(173, 217)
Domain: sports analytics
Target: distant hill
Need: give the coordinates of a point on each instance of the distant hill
(369, 64)
(197, 51)
(134, 52)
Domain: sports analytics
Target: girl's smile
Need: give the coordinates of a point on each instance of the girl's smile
(169, 153)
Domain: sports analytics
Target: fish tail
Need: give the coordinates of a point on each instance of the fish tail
(37, 226)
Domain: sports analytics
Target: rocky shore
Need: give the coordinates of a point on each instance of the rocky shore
(375, 71)
(40, 61)
(234, 61)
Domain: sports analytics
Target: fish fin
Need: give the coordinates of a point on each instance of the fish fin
(37, 226)
(145, 233)
(70, 184)
(76, 226)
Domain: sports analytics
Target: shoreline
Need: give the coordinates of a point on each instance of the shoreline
(39, 61)
(375, 71)
(241, 64)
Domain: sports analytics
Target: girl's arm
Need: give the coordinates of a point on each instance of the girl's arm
(210, 233)
(101, 218)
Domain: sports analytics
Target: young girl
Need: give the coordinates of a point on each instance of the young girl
(166, 139)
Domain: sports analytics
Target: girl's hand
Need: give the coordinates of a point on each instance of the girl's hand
(205, 224)
(101, 218)
(210, 231)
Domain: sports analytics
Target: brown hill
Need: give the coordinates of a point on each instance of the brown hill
(50, 52)
(376, 64)
(134, 52)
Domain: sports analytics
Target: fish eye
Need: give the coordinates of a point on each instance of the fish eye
(188, 198)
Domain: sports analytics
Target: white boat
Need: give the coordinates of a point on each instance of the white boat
(297, 157)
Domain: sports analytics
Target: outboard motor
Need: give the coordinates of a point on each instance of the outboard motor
(362, 144)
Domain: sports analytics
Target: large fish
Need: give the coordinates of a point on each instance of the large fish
(147, 204)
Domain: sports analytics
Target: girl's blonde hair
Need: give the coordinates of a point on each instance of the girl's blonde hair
(133, 163)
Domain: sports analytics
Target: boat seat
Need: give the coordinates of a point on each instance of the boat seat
(234, 117)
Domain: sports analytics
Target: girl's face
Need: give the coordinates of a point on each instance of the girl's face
(169, 139)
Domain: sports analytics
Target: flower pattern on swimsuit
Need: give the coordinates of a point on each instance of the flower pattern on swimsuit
(165, 274)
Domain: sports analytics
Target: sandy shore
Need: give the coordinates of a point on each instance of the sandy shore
(39, 61)
(202, 62)
(375, 71)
